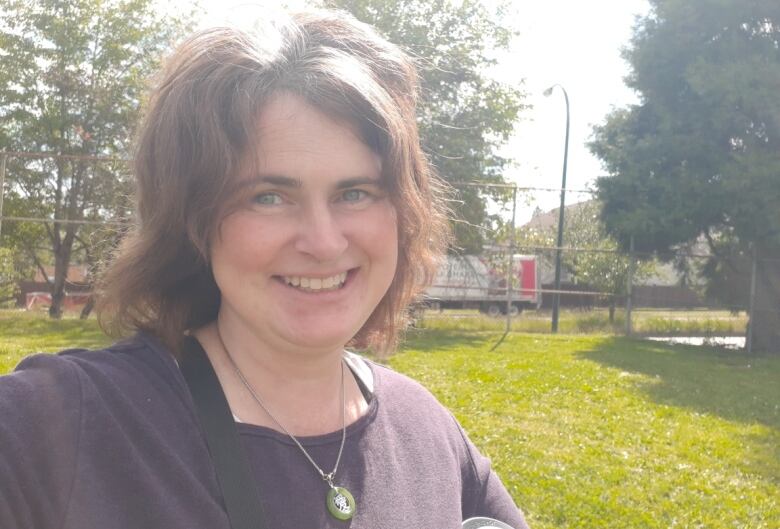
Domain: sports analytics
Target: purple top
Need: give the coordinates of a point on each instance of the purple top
(97, 439)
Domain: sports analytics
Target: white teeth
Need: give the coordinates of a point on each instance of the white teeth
(316, 283)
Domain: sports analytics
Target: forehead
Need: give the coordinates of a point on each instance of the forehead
(296, 140)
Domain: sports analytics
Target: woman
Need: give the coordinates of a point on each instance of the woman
(285, 211)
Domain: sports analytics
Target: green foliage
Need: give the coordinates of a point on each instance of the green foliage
(594, 321)
(72, 83)
(605, 268)
(694, 326)
(728, 272)
(699, 156)
(600, 268)
(464, 115)
(27, 239)
(74, 72)
(8, 276)
(701, 152)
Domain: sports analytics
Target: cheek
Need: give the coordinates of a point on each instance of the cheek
(382, 231)
(241, 243)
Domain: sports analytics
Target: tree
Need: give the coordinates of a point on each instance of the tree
(9, 275)
(599, 262)
(71, 84)
(605, 268)
(464, 116)
(699, 156)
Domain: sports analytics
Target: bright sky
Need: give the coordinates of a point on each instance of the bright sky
(575, 44)
(569, 42)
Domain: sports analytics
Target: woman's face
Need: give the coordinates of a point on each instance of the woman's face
(311, 246)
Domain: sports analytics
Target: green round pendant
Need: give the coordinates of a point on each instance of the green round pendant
(341, 504)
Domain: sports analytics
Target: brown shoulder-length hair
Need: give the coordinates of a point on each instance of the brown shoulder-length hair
(199, 129)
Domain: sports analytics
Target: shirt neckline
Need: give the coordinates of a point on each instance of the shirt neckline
(353, 429)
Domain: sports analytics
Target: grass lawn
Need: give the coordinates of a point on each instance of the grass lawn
(22, 333)
(586, 431)
(606, 432)
(573, 321)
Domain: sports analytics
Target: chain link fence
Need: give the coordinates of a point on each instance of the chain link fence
(504, 281)
(58, 212)
(602, 289)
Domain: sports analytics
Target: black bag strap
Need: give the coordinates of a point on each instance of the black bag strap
(239, 489)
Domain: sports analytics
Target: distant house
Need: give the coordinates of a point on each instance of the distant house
(664, 289)
(36, 293)
(668, 288)
(548, 221)
(77, 274)
(542, 220)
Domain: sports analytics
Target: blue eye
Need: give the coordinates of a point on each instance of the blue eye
(267, 199)
(353, 195)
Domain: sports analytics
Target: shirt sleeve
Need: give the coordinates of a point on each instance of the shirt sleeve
(487, 496)
(40, 416)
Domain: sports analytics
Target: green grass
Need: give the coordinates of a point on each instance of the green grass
(585, 431)
(23, 333)
(645, 322)
(606, 432)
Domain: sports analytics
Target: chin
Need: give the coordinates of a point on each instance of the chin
(318, 344)
(309, 337)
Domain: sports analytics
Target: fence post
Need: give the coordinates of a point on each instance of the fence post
(3, 158)
(509, 274)
(629, 285)
(510, 270)
(752, 304)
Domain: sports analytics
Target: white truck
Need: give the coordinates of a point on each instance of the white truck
(470, 282)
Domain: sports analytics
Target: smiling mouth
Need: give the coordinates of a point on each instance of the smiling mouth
(316, 284)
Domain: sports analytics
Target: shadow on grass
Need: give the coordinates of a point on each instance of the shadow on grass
(430, 340)
(712, 381)
(708, 380)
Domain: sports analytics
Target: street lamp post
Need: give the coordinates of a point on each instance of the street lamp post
(559, 244)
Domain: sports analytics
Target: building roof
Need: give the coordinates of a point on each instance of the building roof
(546, 220)
(76, 274)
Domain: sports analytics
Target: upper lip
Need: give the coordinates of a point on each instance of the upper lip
(317, 275)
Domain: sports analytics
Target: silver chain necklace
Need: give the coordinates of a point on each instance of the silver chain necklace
(340, 502)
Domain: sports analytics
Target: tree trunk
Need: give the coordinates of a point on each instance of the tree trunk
(765, 319)
(61, 265)
(87, 310)
(612, 311)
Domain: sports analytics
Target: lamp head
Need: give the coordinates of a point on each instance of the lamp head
(548, 92)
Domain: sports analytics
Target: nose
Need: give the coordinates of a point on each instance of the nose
(320, 234)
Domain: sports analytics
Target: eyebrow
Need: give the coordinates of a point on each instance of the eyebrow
(359, 181)
(277, 180)
(286, 181)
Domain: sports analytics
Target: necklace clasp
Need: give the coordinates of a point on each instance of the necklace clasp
(328, 478)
